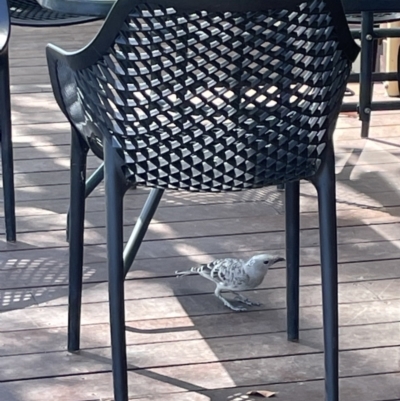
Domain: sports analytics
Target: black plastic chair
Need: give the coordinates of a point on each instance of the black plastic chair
(207, 96)
(369, 33)
(5, 125)
(31, 13)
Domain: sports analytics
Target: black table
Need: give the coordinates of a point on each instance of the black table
(376, 6)
(102, 7)
(98, 8)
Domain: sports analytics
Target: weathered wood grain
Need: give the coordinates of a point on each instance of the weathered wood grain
(20, 276)
(249, 350)
(34, 316)
(193, 216)
(209, 377)
(190, 238)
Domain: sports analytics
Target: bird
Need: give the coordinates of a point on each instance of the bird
(233, 274)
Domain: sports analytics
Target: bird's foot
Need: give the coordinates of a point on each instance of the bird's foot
(234, 308)
(227, 303)
(246, 301)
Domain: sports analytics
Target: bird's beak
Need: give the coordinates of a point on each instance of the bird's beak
(279, 259)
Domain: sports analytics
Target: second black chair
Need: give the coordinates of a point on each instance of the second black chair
(7, 162)
(24, 13)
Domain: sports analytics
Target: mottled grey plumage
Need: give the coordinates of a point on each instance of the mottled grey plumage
(234, 275)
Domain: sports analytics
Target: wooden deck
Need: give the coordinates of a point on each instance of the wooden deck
(183, 344)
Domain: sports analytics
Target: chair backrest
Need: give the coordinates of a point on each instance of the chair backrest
(4, 26)
(31, 13)
(216, 96)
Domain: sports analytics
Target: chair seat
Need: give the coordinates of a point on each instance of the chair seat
(31, 13)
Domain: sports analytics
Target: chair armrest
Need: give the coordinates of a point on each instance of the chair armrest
(54, 56)
(4, 25)
(61, 76)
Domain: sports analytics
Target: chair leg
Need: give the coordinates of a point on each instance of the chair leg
(292, 211)
(79, 151)
(366, 84)
(92, 182)
(6, 148)
(115, 188)
(141, 226)
(325, 184)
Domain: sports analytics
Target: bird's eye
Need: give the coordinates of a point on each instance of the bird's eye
(266, 262)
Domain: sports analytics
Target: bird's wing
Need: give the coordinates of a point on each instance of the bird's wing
(228, 271)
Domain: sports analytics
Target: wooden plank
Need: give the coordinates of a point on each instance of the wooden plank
(44, 195)
(376, 132)
(61, 129)
(30, 79)
(350, 199)
(34, 316)
(291, 368)
(190, 238)
(368, 144)
(54, 274)
(378, 119)
(32, 88)
(39, 140)
(227, 216)
(375, 173)
(35, 118)
(169, 287)
(169, 215)
(56, 258)
(135, 199)
(249, 241)
(27, 104)
(369, 388)
(38, 204)
(248, 349)
(49, 151)
(45, 178)
(241, 373)
(49, 164)
(97, 387)
(24, 70)
(48, 339)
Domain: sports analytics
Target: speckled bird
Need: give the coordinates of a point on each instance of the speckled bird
(235, 275)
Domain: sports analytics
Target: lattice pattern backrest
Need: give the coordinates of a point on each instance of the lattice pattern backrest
(219, 101)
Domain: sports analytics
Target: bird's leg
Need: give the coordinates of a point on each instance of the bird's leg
(226, 302)
(244, 300)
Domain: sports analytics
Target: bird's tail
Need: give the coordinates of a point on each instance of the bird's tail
(193, 270)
